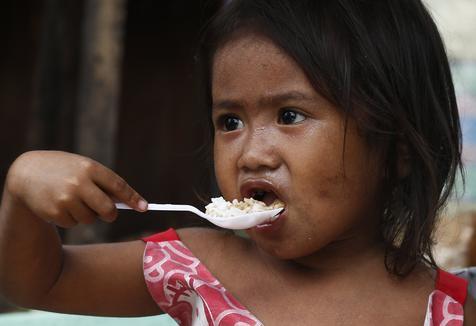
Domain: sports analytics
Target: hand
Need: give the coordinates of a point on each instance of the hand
(67, 189)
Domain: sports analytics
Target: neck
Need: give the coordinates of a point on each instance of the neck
(360, 247)
(336, 257)
(347, 256)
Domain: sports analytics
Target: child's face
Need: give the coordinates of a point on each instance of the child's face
(274, 132)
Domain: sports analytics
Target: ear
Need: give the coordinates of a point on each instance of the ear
(403, 160)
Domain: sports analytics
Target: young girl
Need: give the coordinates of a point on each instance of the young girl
(342, 109)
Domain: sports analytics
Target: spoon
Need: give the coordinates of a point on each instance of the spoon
(238, 222)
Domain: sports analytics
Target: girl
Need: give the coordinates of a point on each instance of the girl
(345, 111)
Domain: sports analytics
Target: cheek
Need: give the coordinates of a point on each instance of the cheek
(218, 164)
(328, 181)
(317, 161)
(224, 163)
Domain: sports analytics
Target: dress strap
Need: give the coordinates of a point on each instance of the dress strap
(168, 235)
(454, 286)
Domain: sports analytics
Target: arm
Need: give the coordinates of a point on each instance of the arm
(470, 311)
(44, 189)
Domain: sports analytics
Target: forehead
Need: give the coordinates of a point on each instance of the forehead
(254, 64)
(250, 47)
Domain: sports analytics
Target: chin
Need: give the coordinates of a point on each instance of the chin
(279, 252)
(288, 251)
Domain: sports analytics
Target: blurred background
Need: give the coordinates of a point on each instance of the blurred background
(456, 236)
(114, 80)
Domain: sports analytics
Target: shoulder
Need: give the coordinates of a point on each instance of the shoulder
(213, 246)
(470, 311)
(202, 236)
(196, 233)
(231, 259)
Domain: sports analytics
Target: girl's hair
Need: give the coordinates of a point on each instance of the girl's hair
(384, 64)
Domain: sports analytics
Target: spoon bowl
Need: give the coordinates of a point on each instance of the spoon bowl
(238, 222)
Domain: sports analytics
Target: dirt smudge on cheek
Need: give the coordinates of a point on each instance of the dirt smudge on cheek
(327, 186)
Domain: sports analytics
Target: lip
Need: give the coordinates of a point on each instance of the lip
(271, 226)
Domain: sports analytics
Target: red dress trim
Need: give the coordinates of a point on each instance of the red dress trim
(456, 287)
(168, 235)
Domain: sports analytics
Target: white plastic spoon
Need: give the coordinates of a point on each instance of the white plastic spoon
(239, 222)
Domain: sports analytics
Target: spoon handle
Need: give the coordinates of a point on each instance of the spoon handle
(239, 222)
(167, 207)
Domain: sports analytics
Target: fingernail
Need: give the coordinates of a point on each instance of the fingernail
(142, 204)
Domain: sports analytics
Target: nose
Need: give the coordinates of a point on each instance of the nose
(259, 151)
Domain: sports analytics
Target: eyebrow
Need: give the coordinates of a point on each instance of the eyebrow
(265, 100)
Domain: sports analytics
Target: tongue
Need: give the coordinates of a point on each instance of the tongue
(269, 198)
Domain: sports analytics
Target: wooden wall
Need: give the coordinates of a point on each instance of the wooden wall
(162, 129)
(159, 129)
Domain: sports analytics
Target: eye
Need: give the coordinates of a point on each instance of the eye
(289, 116)
(230, 123)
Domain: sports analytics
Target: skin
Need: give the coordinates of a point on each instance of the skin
(256, 83)
(324, 251)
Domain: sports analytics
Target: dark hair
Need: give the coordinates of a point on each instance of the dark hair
(383, 62)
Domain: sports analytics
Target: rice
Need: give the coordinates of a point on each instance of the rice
(219, 207)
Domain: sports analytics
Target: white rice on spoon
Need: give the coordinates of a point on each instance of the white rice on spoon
(219, 207)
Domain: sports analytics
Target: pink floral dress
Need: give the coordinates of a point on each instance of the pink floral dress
(184, 288)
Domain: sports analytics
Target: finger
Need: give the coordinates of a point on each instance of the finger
(69, 222)
(118, 188)
(82, 213)
(66, 222)
(58, 217)
(99, 202)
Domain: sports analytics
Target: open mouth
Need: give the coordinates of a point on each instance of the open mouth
(267, 197)
(270, 199)
(264, 191)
